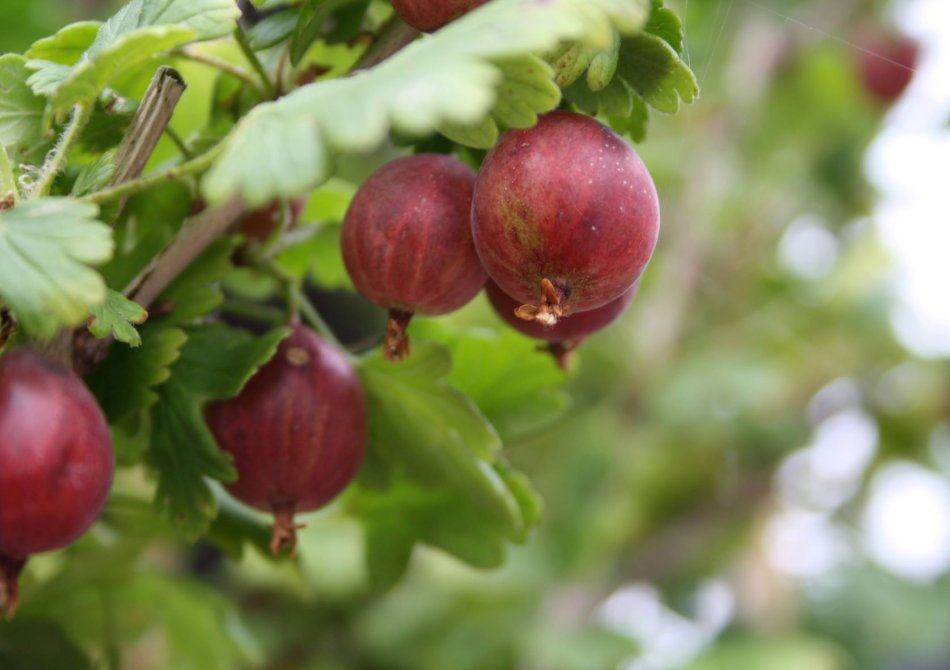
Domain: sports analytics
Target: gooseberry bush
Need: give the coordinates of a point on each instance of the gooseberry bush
(159, 271)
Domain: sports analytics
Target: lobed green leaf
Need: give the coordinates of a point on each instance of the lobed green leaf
(46, 249)
(21, 111)
(137, 33)
(117, 316)
(127, 379)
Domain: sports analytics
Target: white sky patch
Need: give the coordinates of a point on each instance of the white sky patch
(829, 472)
(667, 639)
(804, 544)
(909, 163)
(808, 249)
(906, 523)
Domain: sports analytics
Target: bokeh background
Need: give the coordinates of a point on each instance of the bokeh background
(755, 469)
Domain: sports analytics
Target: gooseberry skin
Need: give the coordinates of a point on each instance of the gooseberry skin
(407, 241)
(429, 15)
(567, 201)
(296, 431)
(56, 462)
(573, 328)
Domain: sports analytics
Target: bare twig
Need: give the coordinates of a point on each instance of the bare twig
(195, 236)
(148, 124)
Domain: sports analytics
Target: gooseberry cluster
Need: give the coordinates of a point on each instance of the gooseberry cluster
(562, 217)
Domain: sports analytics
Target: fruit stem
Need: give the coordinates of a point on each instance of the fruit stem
(9, 589)
(255, 62)
(285, 530)
(197, 164)
(550, 308)
(396, 342)
(562, 351)
(311, 314)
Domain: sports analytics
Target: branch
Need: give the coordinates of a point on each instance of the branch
(148, 124)
(194, 237)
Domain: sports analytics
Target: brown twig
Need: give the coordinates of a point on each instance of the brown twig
(150, 120)
(195, 236)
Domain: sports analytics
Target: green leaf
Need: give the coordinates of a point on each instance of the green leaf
(441, 518)
(116, 317)
(52, 58)
(635, 123)
(397, 518)
(451, 77)
(140, 31)
(208, 18)
(198, 624)
(570, 65)
(8, 183)
(525, 91)
(194, 292)
(644, 68)
(529, 500)
(516, 387)
(311, 21)
(480, 136)
(126, 380)
(389, 543)
(218, 360)
(665, 24)
(183, 452)
(428, 430)
(67, 45)
(558, 647)
(95, 175)
(29, 644)
(47, 76)
(21, 112)
(775, 653)
(653, 69)
(92, 74)
(603, 66)
(272, 30)
(46, 248)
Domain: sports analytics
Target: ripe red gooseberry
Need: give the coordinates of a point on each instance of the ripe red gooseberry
(565, 216)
